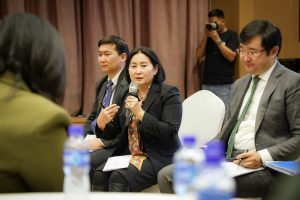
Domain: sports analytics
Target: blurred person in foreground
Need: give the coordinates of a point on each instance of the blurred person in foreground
(149, 123)
(33, 127)
(286, 186)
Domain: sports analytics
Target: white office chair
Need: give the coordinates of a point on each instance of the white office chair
(203, 114)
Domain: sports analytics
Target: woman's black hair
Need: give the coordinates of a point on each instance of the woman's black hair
(32, 49)
(160, 75)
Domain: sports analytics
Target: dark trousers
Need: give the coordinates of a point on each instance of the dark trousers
(131, 176)
(109, 181)
(256, 184)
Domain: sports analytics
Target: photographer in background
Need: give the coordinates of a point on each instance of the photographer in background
(218, 46)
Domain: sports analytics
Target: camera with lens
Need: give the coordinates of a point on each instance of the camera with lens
(211, 26)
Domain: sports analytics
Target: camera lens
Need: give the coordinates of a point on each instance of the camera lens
(211, 26)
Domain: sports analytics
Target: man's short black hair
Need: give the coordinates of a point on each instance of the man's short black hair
(269, 33)
(216, 13)
(121, 46)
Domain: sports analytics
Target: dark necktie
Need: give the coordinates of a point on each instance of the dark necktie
(236, 127)
(108, 94)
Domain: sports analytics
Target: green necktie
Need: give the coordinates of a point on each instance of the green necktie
(236, 127)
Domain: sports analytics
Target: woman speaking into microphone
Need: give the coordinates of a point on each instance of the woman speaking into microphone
(150, 133)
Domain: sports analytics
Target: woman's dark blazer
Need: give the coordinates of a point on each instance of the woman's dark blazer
(158, 128)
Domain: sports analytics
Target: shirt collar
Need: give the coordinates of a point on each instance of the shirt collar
(266, 75)
(115, 78)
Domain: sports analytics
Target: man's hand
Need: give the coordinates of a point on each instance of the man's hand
(213, 34)
(106, 115)
(94, 144)
(249, 159)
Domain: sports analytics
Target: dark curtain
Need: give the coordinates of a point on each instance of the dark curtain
(172, 28)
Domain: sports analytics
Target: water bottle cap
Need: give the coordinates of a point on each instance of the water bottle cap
(215, 151)
(75, 130)
(189, 140)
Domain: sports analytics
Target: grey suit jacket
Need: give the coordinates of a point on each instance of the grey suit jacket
(277, 126)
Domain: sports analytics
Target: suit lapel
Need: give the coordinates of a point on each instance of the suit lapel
(269, 89)
(101, 93)
(152, 95)
(240, 94)
(121, 88)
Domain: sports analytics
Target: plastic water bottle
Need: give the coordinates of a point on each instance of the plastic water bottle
(213, 182)
(76, 165)
(188, 160)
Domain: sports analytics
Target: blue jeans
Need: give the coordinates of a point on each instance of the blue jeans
(222, 91)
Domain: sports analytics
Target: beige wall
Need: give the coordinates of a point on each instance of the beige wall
(283, 13)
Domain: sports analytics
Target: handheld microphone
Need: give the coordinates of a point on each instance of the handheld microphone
(133, 91)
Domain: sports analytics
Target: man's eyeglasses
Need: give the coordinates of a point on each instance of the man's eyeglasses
(251, 53)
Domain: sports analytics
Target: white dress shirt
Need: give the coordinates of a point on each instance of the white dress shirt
(245, 137)
(94, 122)
(115, 81)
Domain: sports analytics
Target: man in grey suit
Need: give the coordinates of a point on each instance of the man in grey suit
(268, 125)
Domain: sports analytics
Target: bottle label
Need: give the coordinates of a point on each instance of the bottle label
(212, 193)
(185, 173)
(76, 158)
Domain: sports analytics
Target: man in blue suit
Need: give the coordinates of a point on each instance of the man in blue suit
(112, 54)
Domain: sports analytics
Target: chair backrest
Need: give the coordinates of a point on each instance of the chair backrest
(203, 114)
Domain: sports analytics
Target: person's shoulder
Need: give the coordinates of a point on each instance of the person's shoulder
(101, 82)
(123, 79)
(288, 71)
(40, 107)
(231, 34)
(169, 89)
(231, 37)
(229, 31)
(242, 79)
(170, 93)
(288, 78)
(32, 113)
